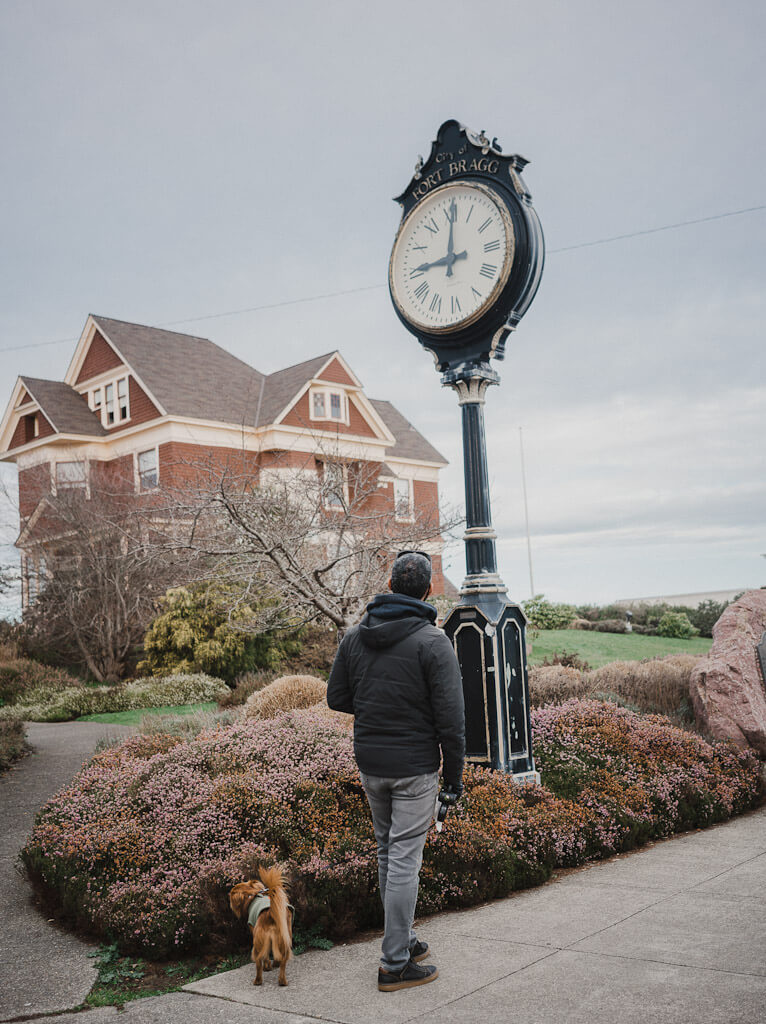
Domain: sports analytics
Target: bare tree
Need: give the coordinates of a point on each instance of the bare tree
(318, 534)
(103, 556)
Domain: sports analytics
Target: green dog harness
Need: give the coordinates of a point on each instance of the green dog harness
(260, 903)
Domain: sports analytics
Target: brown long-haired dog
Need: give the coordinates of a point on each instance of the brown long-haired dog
(273, 928)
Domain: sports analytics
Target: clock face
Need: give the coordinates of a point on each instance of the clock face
(451, 258)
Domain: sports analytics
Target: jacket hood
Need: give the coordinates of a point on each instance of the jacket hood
(392, 617)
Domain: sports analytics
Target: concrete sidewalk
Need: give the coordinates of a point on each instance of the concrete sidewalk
(42, 968)
(673, 934)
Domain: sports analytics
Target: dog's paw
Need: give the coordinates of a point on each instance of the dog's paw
(283, 983)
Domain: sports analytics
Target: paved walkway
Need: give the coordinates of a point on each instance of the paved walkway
(42, 969)
(673, 934)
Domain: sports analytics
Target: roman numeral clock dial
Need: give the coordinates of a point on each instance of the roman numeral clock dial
(451, 258)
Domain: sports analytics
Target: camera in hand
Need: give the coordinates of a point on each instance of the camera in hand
(447, 798)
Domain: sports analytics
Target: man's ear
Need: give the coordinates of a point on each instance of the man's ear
(389, 585)
(429, 591)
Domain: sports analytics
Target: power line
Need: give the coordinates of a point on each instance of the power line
(376, 287)
(653, 231)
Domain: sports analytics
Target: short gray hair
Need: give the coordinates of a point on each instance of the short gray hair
(411, 575)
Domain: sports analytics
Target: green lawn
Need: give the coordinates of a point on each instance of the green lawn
(134, 716)
(600, 648)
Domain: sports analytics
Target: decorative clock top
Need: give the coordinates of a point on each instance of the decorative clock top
(468, 255)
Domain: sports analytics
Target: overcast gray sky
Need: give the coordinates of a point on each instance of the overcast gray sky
(166, 161)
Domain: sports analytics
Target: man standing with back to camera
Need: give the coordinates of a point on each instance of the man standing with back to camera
(397, 673)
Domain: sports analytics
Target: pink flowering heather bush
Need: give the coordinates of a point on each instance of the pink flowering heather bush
(144, 844)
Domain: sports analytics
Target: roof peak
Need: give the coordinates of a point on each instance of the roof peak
(148, 327)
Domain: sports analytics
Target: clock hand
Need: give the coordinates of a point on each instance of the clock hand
(445, 261)
(450, 243)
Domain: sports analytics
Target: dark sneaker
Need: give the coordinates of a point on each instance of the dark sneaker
(419, 951)
(409, 976)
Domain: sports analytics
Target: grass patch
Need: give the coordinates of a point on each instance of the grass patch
(135, 715)
(122, 979)
(600, 648)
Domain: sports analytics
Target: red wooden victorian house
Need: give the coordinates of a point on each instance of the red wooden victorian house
(152, 403)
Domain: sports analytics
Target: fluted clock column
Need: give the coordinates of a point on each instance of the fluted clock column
(471, 383)
(486, 629)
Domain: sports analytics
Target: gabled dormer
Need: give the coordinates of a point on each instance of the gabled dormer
(44, 411)
(106, 377)
(327, 396)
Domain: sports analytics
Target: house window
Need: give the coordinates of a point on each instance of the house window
(334, 485)
(31, 427)
(71, 474)
(112, 401)
(122, 398)
(148, 477)
(329, 404)
(109, 403)
(402, 499)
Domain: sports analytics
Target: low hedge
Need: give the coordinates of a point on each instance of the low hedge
(20, 676)
(144, 844)
(51, 704)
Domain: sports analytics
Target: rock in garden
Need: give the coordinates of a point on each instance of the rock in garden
(726, 687)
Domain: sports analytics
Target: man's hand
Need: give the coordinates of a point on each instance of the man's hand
(448, 797)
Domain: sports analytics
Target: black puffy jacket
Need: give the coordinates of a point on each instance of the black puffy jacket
(397, 673)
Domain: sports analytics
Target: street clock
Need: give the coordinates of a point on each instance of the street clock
(468, 256)
(465, 266)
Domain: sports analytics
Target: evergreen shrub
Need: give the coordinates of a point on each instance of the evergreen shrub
(676, 624)
(544, 614)
(205, 628)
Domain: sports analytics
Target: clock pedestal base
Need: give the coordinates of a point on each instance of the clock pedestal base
(490, 643)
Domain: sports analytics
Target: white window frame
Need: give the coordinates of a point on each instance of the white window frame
(137, 472)
(398, 512)
(57, 485)
(97, 400)
(327, 393)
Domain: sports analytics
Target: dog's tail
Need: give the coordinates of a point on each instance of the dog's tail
(274, 881)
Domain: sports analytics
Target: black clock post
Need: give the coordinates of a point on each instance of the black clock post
(479, 304)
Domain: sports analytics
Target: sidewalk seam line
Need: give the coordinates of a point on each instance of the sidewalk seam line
(481, 988)
(255, 1006)
(668, 963)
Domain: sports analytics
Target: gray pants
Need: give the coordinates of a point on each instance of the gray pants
(402, 810)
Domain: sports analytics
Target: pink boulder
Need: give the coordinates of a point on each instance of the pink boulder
(726, 687)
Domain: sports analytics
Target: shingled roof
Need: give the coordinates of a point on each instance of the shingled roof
(281, 387)
(174, 367)
(65, 409)
(410, 443)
